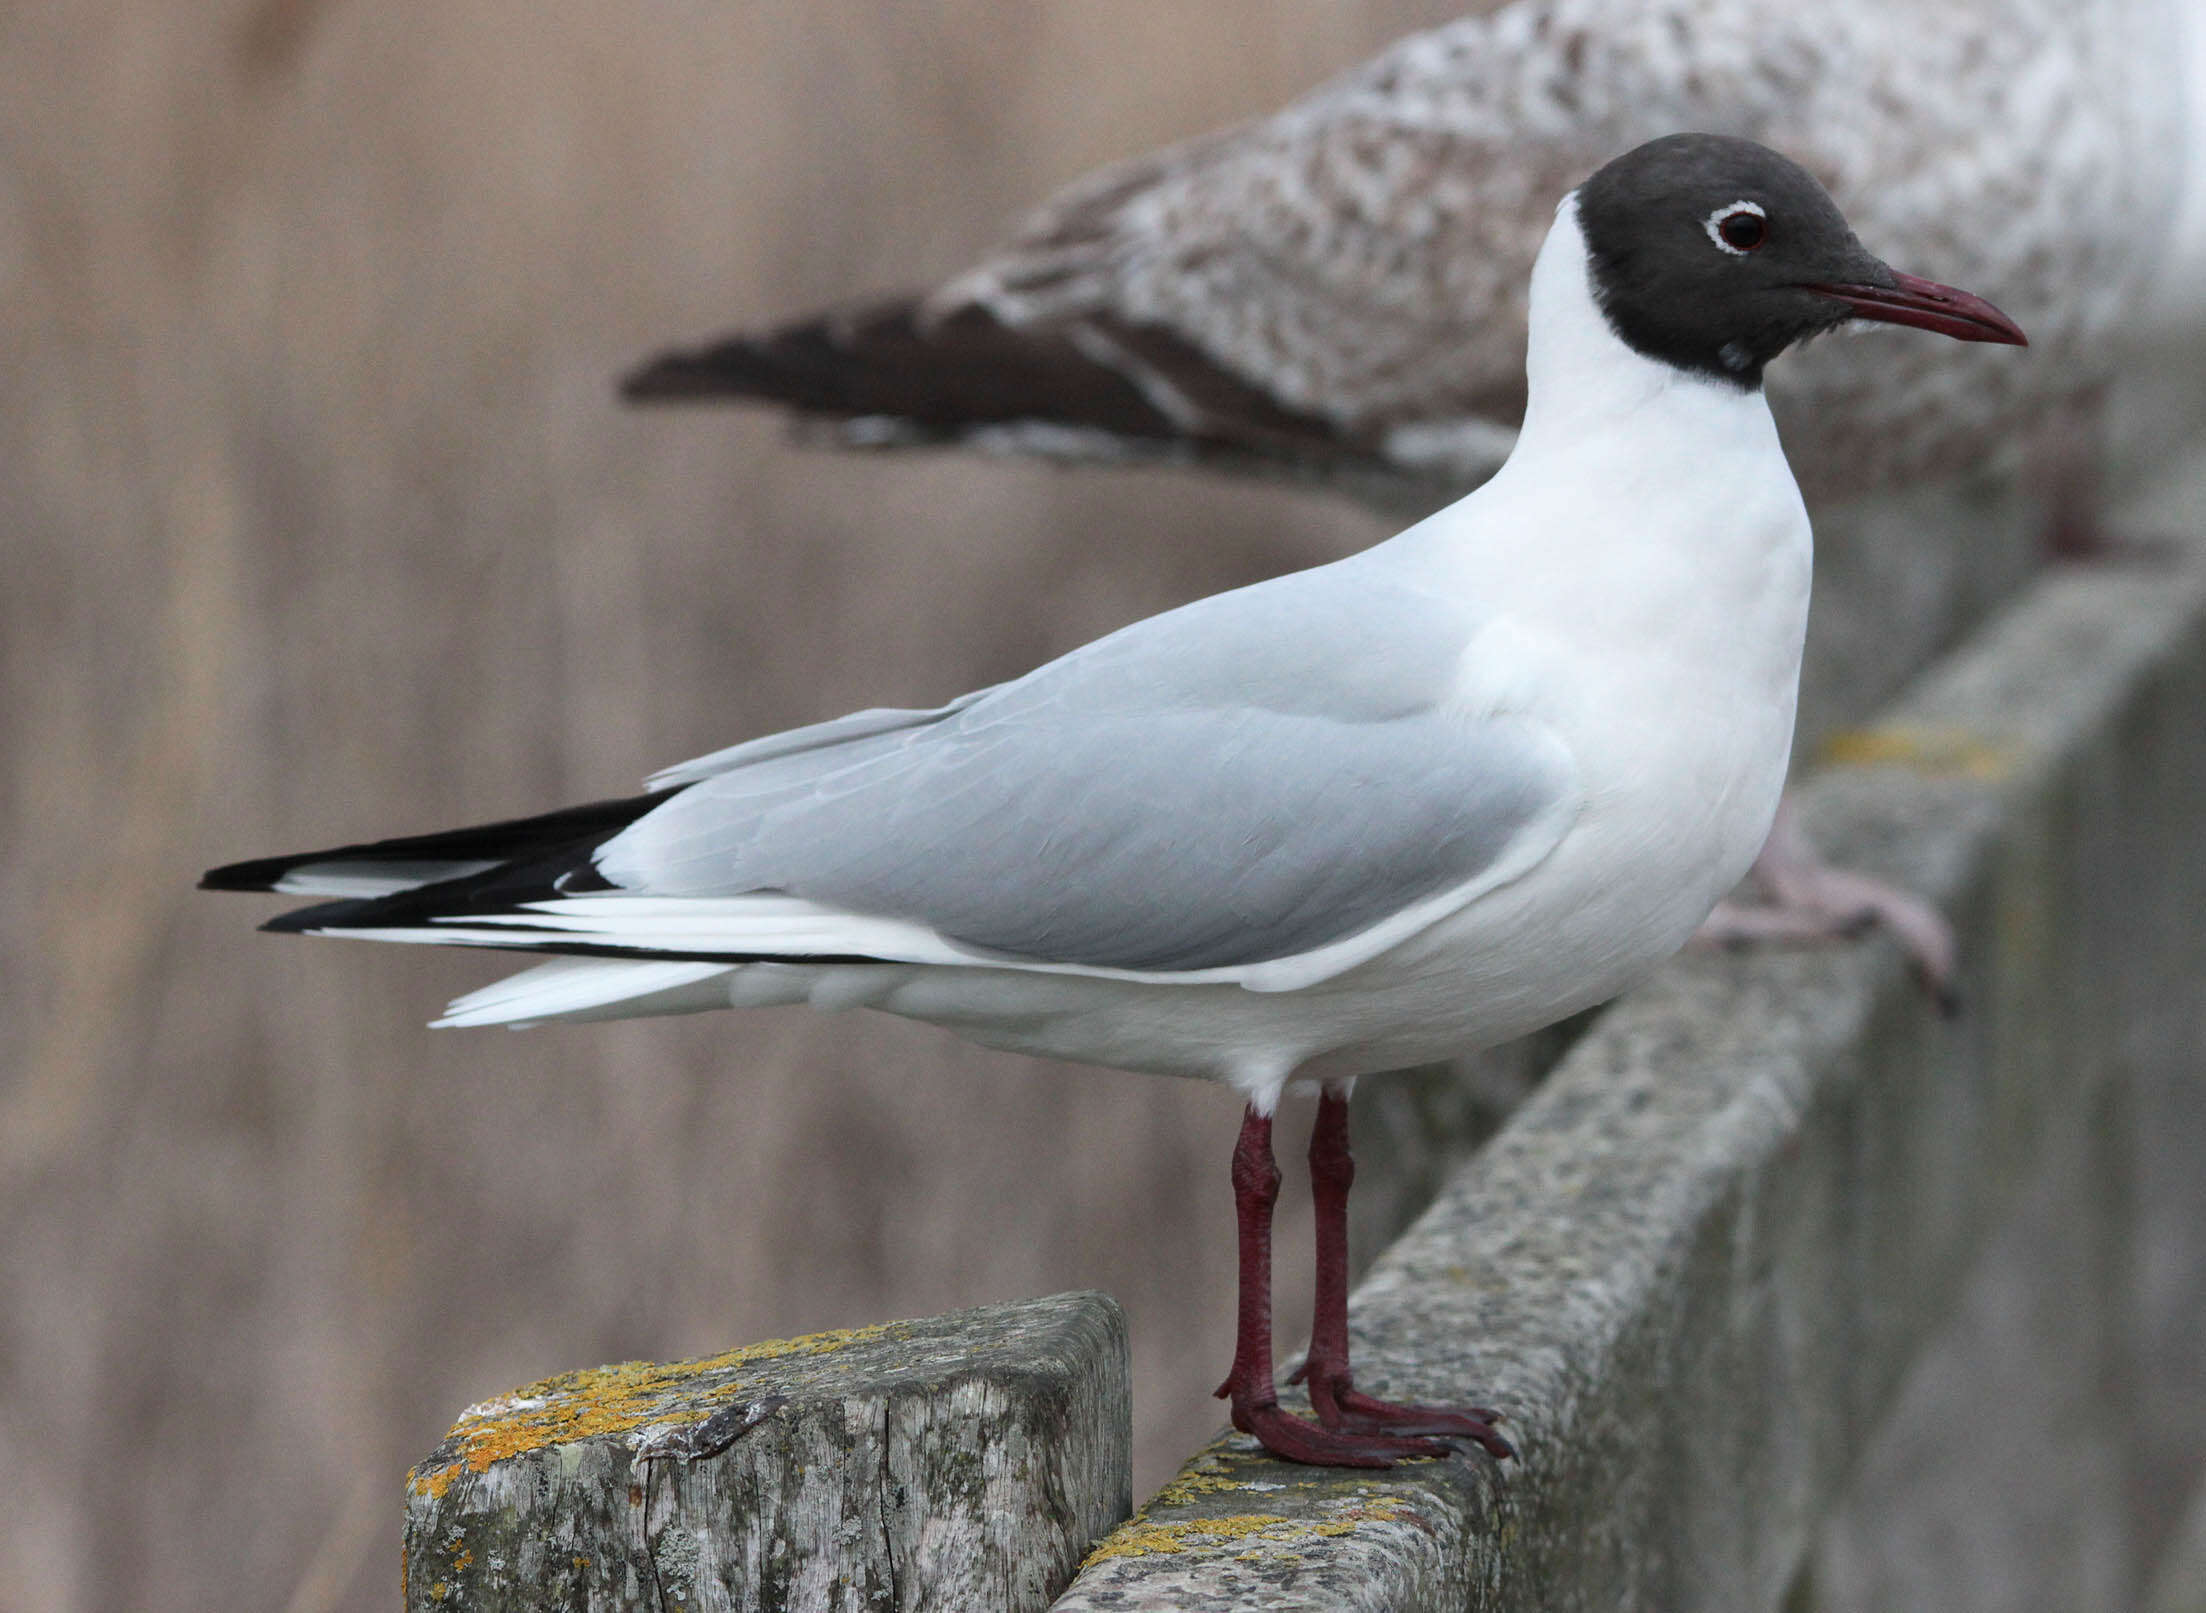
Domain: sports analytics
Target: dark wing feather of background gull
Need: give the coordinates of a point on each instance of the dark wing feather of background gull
(1337, 290)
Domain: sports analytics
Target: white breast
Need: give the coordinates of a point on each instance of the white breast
(1647, 557)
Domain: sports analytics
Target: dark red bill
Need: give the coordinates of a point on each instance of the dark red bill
(1929, 306)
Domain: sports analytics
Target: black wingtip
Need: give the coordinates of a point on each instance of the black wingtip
(685, 375)
(862, 360)
(919, 379)
(887, 360)
(260, 874)
(300, 920)
(510, 840)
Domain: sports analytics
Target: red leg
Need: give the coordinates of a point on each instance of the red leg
(1333, 1394)
(1254, 1395)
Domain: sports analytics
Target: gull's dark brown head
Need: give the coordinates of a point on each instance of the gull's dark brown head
(1715, 255)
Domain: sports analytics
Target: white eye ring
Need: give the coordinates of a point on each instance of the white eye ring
(1714, 222)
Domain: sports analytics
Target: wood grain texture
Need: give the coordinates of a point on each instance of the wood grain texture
(965, 1461)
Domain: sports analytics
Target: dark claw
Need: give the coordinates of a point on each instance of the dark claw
(1439, 1426)
(1292, 1439)
(1360, 1413)
(1340, 1405)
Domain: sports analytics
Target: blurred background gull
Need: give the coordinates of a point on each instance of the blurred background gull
(320, 517)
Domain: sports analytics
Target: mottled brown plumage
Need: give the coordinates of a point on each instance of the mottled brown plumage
(1337, 290)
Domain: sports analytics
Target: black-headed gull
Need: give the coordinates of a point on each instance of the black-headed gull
(1336, 292)
(1412, 803)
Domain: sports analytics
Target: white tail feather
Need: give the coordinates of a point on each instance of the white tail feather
(592, 988)
(772, 925)
(360, 878)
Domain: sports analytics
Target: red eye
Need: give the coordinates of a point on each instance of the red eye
(1742, 231)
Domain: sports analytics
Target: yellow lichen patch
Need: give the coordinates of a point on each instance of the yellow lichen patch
(1925, 749)
(1212, 1471)
(614, 1400)
(1141, 1538)
(1205, 1475)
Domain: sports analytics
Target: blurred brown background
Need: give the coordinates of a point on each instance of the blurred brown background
(320, 522)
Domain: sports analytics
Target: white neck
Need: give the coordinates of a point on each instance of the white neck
(1639, 572)
(1679, 452)
(1646, 518)
(1578, 372)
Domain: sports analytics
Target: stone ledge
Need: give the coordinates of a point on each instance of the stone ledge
(1695, 1265)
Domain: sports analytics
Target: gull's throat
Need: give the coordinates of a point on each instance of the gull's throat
(1579, 370)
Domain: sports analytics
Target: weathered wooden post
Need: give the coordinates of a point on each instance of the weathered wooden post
(965, 1461)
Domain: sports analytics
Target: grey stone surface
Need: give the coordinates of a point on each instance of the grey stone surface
(2042, 1449)
(1900, 579)
(962, 1462)
(2000, 1480)
(1697, 1266)
(2179, 1582)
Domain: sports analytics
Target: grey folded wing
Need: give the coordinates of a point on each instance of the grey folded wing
(1212, 789)
(875, 720)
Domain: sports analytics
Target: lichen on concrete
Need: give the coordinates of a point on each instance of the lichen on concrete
(1335, 1503)
(1925, 749)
